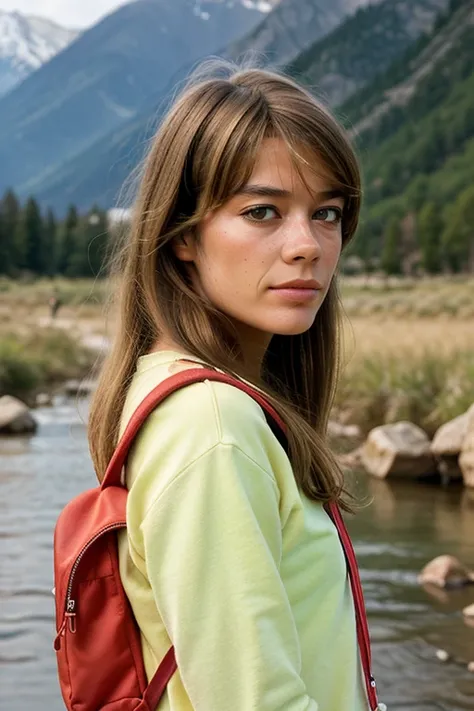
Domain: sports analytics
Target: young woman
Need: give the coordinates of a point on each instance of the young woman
(250, 192)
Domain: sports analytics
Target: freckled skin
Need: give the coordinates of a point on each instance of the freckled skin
(237, 260)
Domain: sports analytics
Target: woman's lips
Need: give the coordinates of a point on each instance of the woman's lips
(297, 294)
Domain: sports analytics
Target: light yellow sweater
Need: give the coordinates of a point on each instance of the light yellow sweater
(225, 559)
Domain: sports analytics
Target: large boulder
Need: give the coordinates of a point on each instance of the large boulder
(466, 458)
(449, 439)
(447, 445)
(446, 571)
(469, 611)
(401, 449)
(15, 416)
(337, 430)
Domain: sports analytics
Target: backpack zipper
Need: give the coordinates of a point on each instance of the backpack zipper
(70, 607)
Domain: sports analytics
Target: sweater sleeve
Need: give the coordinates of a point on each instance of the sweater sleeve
(213, 545)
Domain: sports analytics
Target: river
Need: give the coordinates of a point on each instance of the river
(403, 527)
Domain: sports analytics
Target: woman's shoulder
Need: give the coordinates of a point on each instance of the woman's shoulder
(191, 423)
(195, 418)
(216, 409)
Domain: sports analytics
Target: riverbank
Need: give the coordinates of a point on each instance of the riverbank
(36, 365)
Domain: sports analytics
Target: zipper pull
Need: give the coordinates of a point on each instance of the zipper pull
(71, 614)
(57, 639)
(71, 618)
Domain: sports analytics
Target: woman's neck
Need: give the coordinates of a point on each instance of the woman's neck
(253, 344)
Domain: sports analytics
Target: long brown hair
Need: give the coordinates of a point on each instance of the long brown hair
(204, 152)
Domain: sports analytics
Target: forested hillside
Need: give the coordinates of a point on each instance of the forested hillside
(414, 129)
(292, 26)
(364, 45)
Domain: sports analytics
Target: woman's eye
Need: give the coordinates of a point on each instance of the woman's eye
(329, 214)
(261, 214)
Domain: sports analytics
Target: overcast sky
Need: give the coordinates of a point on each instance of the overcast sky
(71, 13)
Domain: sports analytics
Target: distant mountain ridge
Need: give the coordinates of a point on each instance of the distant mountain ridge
(107, 77)
(292, 26)
(96, 173)
(26, 43)
(364, 46)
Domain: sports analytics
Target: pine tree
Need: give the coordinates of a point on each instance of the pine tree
(430, 229)
(50, 243)
(30, 233)
(5, 264)
(10, 219)
(78, 266)
(67, 241)
(458, 237)
(416, 193)
(391, 254)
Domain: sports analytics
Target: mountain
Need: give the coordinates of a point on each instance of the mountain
(364, 45)
(106, 77)
(96, 174)
(291, 27)
(414, 127)
(26, 43)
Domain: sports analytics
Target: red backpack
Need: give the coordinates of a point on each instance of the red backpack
(98, 641)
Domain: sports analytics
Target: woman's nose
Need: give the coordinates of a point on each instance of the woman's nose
(301, 242)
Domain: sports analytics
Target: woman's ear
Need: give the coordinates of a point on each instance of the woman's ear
(184, 247)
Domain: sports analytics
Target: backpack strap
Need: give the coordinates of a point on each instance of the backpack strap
(113, 477)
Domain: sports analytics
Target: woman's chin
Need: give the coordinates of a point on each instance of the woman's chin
(293, 326)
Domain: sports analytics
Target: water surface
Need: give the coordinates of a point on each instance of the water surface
(405, 526)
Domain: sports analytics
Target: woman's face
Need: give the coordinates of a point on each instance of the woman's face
(267, 256)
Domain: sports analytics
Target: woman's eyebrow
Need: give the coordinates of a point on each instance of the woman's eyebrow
(332, 194)
(263, 191)
(270, 191)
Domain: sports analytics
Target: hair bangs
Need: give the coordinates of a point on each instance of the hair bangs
(224, 165)
(323, 153)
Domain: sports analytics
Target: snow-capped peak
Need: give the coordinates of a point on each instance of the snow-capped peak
(27, 42)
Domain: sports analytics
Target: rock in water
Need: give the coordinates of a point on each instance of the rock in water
(449, 438)
(466, 458)
(447, 445)
(442, 655)
(15, 416)
(446, 571)
(400, 449)
(469, 611)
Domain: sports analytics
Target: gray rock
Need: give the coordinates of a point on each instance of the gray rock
(446, 571)
(449, 439)
(401, 449)
(466, 458)
(15, 416)
(469, 611)
(44, 400)
(341, 431)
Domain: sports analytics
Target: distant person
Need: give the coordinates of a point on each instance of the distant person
(54, 305)
(251, 190)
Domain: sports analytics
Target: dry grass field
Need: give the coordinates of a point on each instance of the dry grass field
(409, 345)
